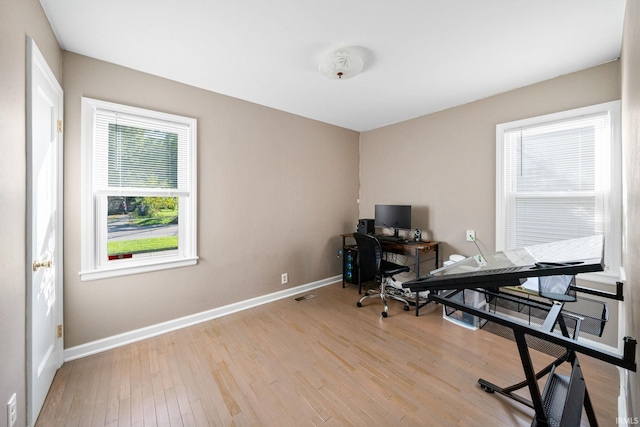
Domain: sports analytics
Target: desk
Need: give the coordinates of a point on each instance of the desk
(410, 248)
(563, 397)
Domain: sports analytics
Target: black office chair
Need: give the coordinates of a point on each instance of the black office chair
(370, 265)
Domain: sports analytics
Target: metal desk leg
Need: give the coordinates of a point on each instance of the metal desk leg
(591, 415)
(418, 271)
(534, 390)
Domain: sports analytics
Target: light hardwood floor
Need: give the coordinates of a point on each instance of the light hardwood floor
(321, 361)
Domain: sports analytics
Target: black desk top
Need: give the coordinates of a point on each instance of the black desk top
(507, 268)
(401, 246)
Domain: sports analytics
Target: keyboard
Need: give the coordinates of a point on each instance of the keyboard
(388, 238)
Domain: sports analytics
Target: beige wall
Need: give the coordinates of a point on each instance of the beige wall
(18, 19)
(631, 177)
(274, 192)
(444, 164)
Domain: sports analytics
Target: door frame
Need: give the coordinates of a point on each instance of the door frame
(34, 58)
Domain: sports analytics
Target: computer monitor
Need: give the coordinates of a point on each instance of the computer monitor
(395, 217)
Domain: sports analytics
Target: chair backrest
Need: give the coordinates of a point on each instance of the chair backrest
(369, 255)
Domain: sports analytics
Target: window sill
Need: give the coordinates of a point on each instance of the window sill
(137, 268)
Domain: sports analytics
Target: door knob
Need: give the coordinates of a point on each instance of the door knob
(38, 264)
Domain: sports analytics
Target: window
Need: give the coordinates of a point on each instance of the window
(138, 190)
(558, 177)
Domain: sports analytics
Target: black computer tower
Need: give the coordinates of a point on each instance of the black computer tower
(349, 269)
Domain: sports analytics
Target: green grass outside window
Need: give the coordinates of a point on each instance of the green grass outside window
(151, 244)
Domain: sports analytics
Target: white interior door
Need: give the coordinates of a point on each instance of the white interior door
(44, 229)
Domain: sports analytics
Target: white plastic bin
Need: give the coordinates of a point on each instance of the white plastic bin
(462, 318)
(472, 298)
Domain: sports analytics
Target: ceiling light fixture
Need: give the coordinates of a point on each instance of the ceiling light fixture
(341, 64)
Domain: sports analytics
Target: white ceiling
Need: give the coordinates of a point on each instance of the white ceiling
(421, 56)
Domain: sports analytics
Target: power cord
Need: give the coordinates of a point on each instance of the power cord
(481, 259)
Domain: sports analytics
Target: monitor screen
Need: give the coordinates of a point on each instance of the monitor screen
(393, 216)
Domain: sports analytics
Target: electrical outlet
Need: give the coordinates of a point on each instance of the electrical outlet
(285, 278)
(471, 235)
(12, 411)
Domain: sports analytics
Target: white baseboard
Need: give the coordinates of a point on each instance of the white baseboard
(114, 341)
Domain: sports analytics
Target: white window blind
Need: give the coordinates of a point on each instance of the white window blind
(556, 181)
(134, 158)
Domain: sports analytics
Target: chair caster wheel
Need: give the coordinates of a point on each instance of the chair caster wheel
(384, 314)
(487, 389)
(406, 308)
(359, 304)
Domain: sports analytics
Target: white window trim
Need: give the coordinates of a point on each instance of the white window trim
(613, 108)
(93, 224)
